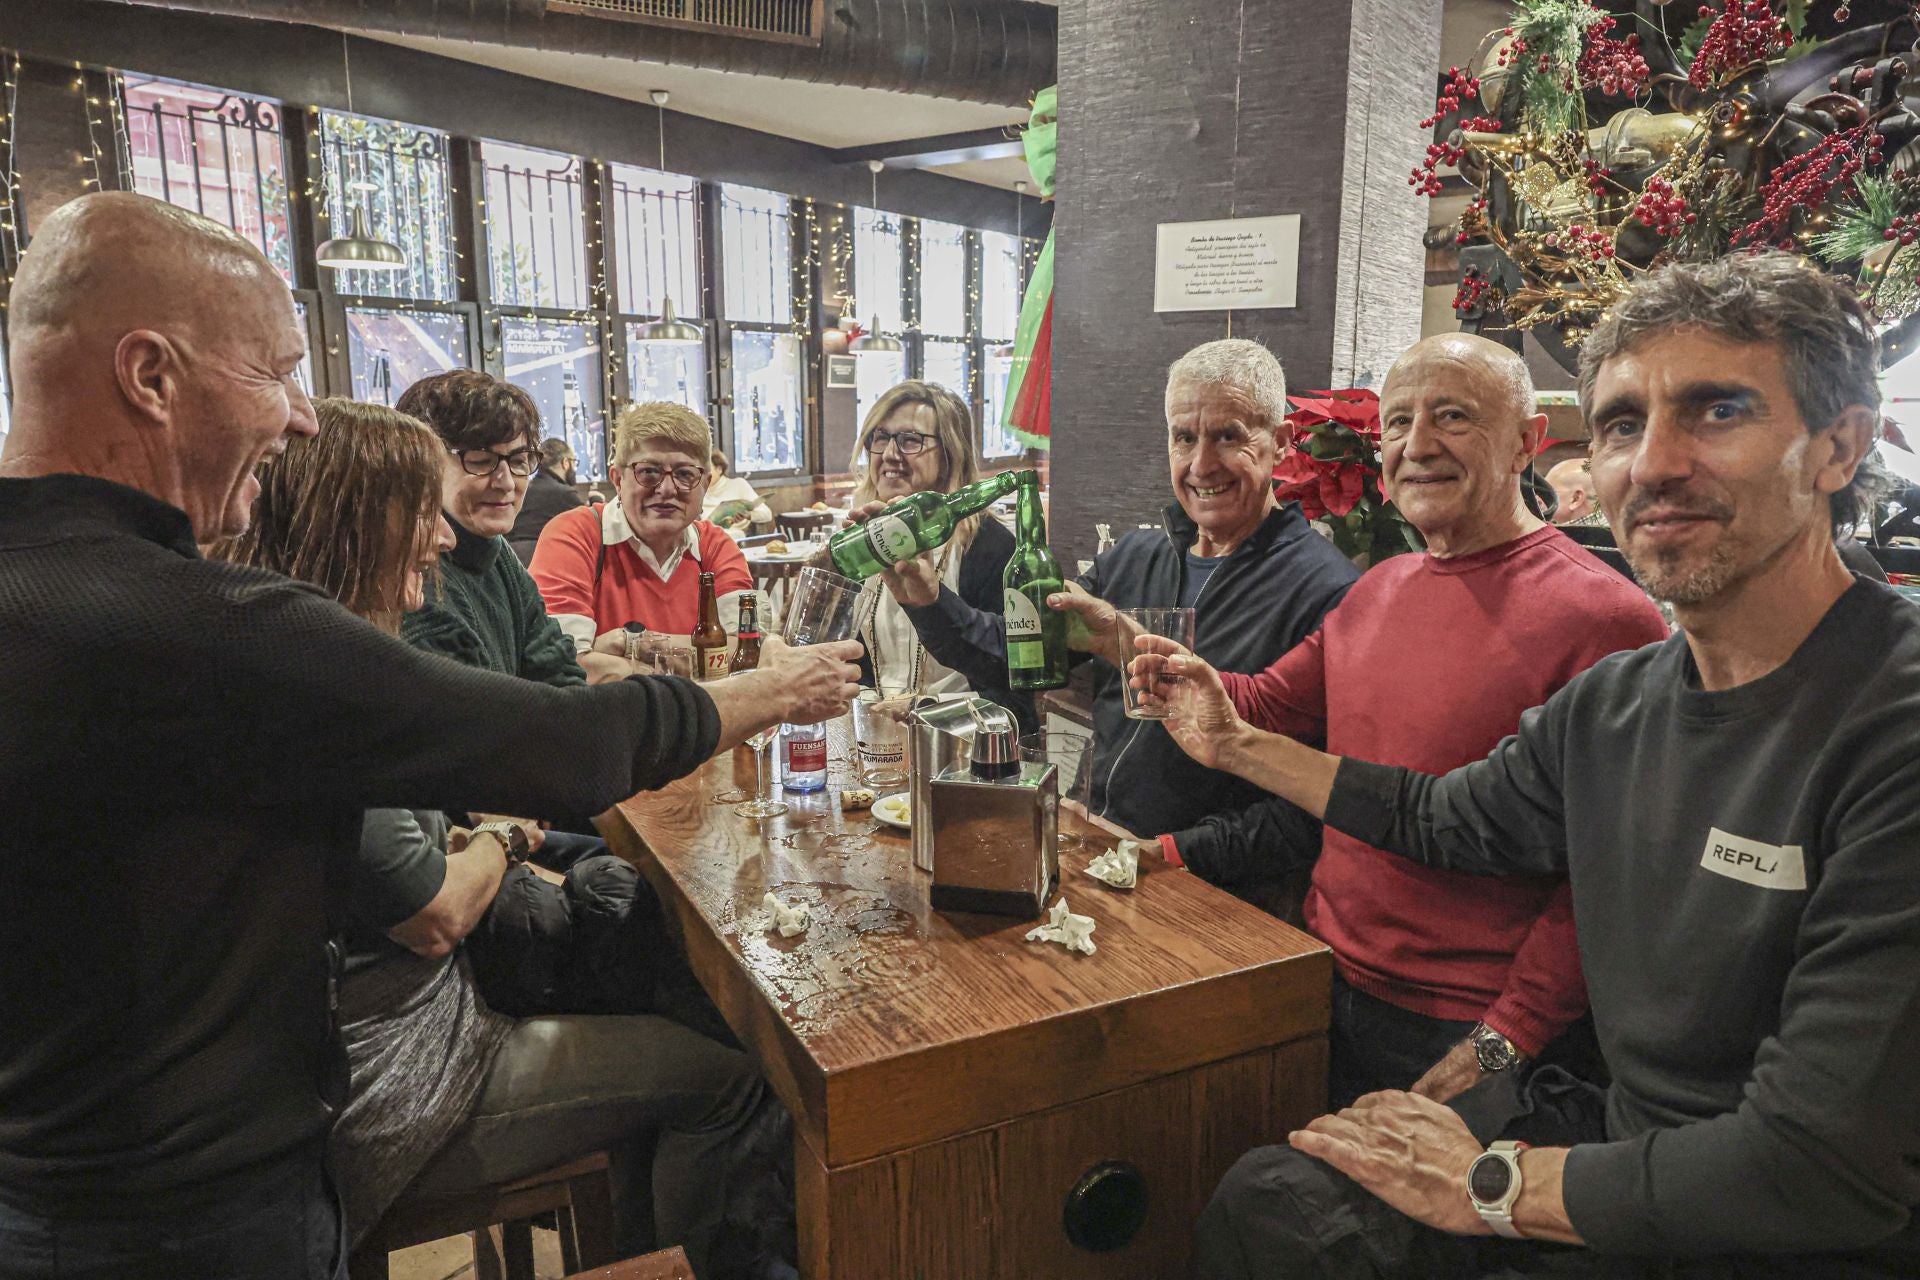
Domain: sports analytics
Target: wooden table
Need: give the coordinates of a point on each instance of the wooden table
(950, 1083)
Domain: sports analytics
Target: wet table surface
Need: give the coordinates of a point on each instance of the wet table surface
(888, 1024)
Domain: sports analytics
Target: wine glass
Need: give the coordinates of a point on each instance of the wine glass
(821, 610)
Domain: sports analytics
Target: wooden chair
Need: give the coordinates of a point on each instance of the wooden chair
(497, 1217)
(668, 1264)
(798, 524)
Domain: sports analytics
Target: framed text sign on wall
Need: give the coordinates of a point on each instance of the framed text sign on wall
(1230, 264)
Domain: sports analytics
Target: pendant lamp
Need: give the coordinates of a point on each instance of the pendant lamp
(669, 327)
(874, 342)
(358, 250)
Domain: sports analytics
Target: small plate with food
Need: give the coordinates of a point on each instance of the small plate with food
(894, 810)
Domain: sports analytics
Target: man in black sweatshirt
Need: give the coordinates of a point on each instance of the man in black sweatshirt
(186, 749)
(1738, 811)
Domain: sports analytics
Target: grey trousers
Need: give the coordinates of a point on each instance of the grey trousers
(720, 1143)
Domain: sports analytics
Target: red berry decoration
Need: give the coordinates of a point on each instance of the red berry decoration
(1805, 182)
(1472, 291)
(1742, 33)
(1459, 88)
(1615, 67)
(1660, 208)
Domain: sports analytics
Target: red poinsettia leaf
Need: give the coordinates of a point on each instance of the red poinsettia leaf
(1343, 490)
(1891, 430)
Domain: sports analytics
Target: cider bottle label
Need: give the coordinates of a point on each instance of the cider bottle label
(892, 539)
(1026, 645)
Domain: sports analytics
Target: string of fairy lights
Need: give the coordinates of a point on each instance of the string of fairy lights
(824, 234)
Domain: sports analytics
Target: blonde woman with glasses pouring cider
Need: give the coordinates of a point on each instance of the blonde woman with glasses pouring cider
(919, 436)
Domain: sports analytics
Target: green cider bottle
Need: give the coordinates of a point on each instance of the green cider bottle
(916, 523)
(1036, 635)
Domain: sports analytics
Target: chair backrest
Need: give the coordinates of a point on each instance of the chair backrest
(792, 523)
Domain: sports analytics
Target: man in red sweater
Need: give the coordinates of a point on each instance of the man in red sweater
(1428, 663)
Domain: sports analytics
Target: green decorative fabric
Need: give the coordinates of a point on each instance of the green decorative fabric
(1039, 144)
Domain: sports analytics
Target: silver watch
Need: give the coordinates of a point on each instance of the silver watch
(512, 839)
(1493, 1184)
(1494, 1051)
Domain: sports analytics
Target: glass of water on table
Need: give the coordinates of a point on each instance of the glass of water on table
(820, 610)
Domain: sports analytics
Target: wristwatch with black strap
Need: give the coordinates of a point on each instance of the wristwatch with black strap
(1493, 1184)
(512, 839)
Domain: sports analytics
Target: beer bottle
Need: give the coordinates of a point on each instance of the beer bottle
(746, 654)
(709, 638)
(1036, 635)
(916, 523)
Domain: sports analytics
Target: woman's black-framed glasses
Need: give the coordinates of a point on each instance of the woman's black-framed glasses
(650, 477)
(908, 442)
(484, 462)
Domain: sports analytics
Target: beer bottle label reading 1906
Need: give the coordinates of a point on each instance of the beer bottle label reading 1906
(1025, 647)
(891, 538)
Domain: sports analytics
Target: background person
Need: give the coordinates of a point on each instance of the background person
(1573, 485)
(550, 491)
(639, 558)
(730, 500)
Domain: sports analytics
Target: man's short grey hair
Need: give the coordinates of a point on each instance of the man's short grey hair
(1247, 367)
(1830, 355)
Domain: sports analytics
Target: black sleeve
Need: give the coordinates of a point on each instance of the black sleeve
(983, 576)
(966, 630)
(1498, 816)
(1256, 845)
(307, 703)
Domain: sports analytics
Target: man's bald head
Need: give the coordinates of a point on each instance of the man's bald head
(1458, 425)
(1573, 486)
(117, 259)
(155, 348)
(1501, 366)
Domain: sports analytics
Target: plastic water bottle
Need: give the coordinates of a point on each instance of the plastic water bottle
(803, 757)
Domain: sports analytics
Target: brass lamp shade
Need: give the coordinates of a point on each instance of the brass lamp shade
(874, 342)
(360, 251)
(669, 327)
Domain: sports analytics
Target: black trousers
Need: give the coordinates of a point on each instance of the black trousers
(1373, 1045)
(1281, 1215)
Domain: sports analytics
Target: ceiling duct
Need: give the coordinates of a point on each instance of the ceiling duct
(999, 51)
(795, 20)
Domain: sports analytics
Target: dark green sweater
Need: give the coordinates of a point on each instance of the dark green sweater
(487, 613)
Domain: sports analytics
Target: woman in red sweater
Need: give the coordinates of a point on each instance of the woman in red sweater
(639, 558)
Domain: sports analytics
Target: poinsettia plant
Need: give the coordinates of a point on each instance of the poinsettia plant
(1332, 469)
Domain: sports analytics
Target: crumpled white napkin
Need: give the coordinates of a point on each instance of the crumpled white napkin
(1118, 866)
(788, 920)
(1073, 932)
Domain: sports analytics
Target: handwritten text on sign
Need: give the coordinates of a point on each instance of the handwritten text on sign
(1232, 263)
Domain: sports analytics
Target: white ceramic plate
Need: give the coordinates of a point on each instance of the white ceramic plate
(893, 810)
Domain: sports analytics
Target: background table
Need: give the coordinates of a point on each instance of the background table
(950, 1082)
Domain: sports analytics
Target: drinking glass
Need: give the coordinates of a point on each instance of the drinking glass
(821, 611)
(879, 738)
(674, 660)
(1175, 625)
(822, 607)
(1071, 755)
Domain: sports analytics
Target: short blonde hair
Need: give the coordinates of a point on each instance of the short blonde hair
(661, 421)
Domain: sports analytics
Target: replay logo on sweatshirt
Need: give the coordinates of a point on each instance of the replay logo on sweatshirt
(1771, 866)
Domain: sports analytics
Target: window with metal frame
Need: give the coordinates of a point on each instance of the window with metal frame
(557, 362)
(675, 371)
(536, 227)
(391, 348)
(943, 306)
(756, 255)
(398, 175)
(874, 374)
(218, 153)
(654, 218)
(998, 272)
(769, 413)
(879, 255)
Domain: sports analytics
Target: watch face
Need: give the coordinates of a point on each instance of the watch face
(1493, 1051)
(1488, 1179)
